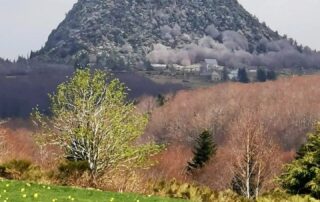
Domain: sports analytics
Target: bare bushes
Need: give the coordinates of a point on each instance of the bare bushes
(274, 116)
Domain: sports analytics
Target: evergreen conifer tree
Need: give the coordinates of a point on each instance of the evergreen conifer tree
(271, 75)
(303, 174)
(243, 76)
(225, 76)
(204, 149)
(261, 75)
(161, 100)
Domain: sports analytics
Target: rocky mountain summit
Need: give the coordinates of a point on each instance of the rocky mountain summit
(134, 33)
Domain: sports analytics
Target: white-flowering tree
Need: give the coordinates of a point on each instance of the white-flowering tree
(92, 121)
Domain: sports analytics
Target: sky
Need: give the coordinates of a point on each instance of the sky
(26, 24)
(299, 19)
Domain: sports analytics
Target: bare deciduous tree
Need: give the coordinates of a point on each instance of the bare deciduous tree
(254, 154)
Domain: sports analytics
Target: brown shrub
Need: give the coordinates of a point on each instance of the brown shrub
(19, 145)
(172, 163)
(17, 142)
(286, 109)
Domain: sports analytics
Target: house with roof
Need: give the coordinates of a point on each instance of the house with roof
(210, 65)
(233, 74)
(159, 66)
(216, 76)
(211, 69)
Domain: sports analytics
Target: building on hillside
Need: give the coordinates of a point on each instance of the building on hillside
(216, 76)
(176, 67)
(192, 68)
(252, 72)
(233, 74)
(188, 68)
(210, 65)
(211, 70)
(159, 66)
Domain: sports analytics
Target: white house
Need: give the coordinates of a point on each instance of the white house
(159, 66)
(233, 75)
(211, 69)
(188, 68)
(215, 76)
(211, 64)
(192, 68)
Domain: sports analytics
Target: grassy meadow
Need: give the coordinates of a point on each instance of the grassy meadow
(16, 191)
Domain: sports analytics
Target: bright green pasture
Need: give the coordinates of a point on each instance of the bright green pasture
(16, 191)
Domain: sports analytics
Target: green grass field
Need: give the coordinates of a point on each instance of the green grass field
(16, 191)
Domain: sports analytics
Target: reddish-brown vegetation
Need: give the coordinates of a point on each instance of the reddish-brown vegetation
(277, 114)
(287, 109)
(283, 111)
(18, 143)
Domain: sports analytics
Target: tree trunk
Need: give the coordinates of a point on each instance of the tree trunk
(248, 170)
(257, 191)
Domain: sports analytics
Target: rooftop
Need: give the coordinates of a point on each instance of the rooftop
(211, 61)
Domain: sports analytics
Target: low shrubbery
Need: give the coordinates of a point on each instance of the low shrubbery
(279, 196)
(193, 192)
(69, 168)
(197, 193)
(72, 173)
(21, 170)
(19, 166)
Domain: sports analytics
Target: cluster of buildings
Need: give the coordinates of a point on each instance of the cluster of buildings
(208, 69)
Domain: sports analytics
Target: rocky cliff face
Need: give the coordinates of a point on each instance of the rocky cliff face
(125, 33)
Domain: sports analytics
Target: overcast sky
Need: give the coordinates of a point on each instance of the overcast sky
(298, 19)
(26, 24)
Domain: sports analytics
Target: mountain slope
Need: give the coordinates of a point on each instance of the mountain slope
(134, 33)
(123, 32)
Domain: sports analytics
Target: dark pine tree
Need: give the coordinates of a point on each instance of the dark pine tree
(271, 75)
(161, 100)
(261, 75)
(225, 76)
(243, 76)
(204, 149)
(301, 176)
(82, 61)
